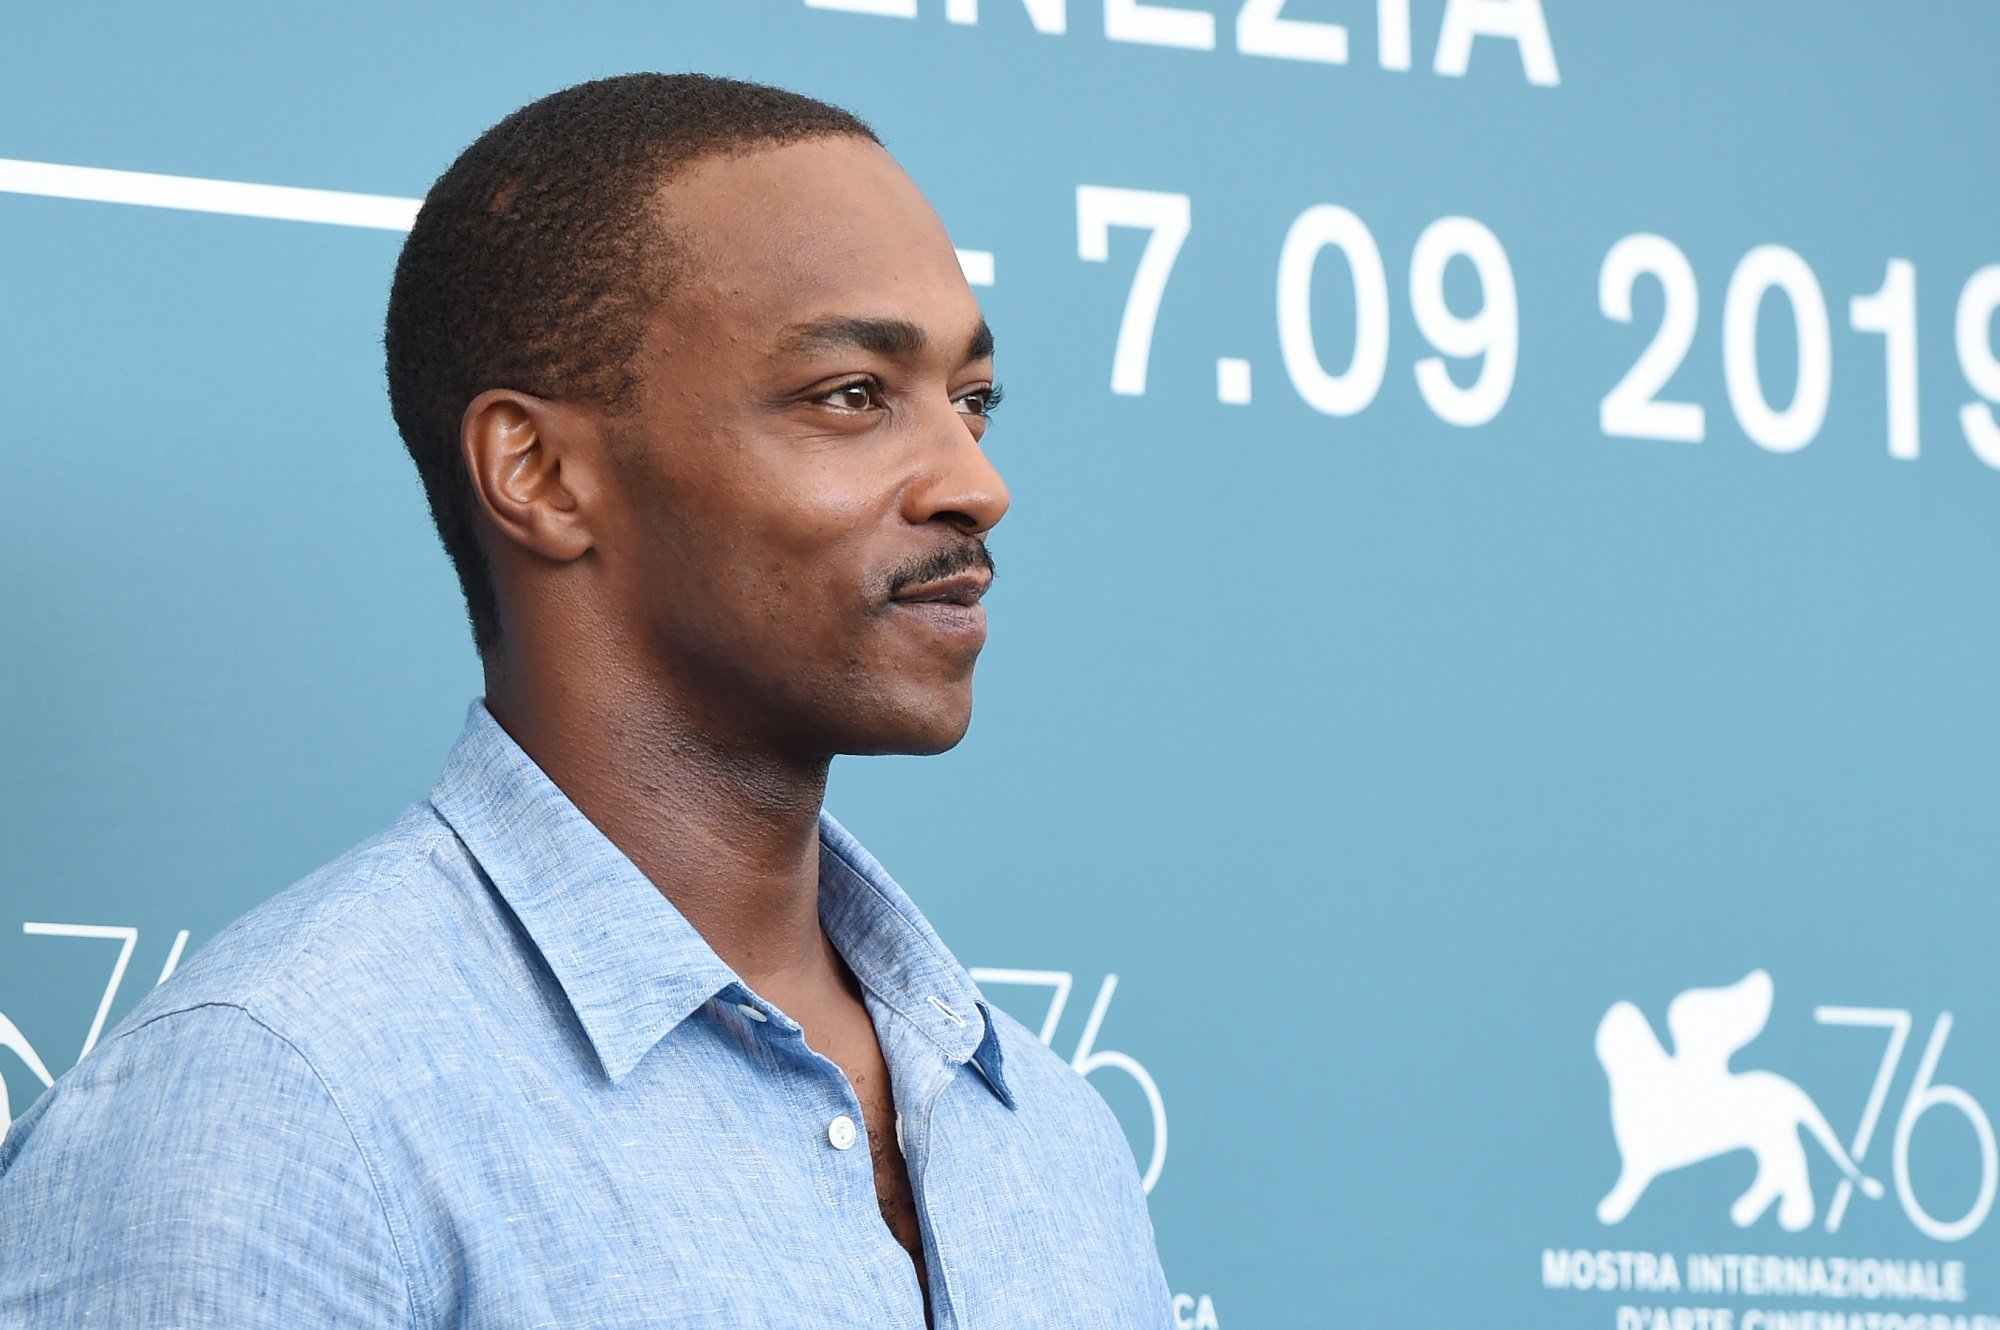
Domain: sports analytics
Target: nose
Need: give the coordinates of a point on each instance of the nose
(959, 486)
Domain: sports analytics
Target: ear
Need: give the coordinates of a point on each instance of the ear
(533, 466)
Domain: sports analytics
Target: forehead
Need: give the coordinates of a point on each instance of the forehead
(826, 228)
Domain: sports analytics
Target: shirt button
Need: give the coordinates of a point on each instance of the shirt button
(840, 1132)
(751, 1012)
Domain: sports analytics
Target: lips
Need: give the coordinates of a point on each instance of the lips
(962, 589)
(947, 607)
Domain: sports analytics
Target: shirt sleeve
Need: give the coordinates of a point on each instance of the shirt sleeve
(194, 1171)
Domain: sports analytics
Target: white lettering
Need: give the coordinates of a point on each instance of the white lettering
(1521, 21)
(1158, 25)
(1050, 16)
(1829, 1277)
(882, 8)
(1392, 33)
(1977, 304)
(1676, 1318)
(1264, 30)
(1260, 31)
(1192, 1313)
(1611, 1271)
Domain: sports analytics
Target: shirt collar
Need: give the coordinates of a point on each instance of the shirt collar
(896, 955)
(631, 965)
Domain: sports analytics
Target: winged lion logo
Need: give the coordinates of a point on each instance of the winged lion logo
(1670, 1110)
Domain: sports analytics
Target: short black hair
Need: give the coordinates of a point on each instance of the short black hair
(537, 255)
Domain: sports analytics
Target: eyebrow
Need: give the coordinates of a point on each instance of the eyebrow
(883, 337)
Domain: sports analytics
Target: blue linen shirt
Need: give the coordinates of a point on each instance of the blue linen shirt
(479, 1072)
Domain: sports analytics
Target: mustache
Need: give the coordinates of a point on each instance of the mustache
(940, 564)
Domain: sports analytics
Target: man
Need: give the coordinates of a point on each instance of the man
(617, 1028)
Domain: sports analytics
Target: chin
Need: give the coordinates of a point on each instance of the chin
(918, 742)
(930, 745)
(913, 731)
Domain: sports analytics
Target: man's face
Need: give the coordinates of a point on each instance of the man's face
(799, 539)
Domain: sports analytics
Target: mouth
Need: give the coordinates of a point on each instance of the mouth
(964, 590)
(947, 607)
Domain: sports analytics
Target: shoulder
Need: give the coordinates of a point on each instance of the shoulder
(1065, 1172)
(199, 1075)
(1032, 1067)
(171, 1166)
(216, 1125)
(347, 938)
(356, 971)
(1053, 1093)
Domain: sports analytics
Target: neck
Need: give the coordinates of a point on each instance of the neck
(728, 834)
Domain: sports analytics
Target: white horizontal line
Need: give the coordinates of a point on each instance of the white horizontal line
(282, 202)
(285, 203)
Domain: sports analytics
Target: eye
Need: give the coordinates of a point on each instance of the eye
(861, 395)
(980, 401)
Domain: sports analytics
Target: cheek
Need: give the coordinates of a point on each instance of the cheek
(813, 527)
(798, 572)
(768, 550)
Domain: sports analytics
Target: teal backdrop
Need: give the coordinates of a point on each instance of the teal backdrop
(1505, 543)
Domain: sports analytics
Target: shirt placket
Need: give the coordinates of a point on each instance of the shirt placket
(828, 1115)
(920, 1076)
